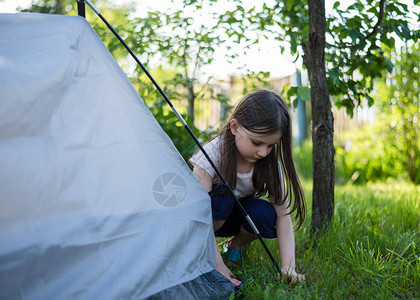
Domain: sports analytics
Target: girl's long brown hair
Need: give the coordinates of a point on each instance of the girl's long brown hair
(265, 112)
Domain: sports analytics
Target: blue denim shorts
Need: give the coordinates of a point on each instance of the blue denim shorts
(261, 212)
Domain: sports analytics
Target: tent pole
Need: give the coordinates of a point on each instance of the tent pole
(81, 8)
(181, 119)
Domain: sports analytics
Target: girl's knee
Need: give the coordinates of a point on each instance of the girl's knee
(221, 206)
(217, 224)
(264, 216)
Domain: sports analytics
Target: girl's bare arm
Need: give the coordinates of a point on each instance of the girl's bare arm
(286, 241)
(203, 177)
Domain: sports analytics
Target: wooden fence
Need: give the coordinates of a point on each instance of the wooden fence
(210, 114)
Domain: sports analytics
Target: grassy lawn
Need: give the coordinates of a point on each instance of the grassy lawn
(371, 250)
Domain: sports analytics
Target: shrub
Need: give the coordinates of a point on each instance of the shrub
(303, 159)
(369, 155)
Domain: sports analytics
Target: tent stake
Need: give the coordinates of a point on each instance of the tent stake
(247, 217)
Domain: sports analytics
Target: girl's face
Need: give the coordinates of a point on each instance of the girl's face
(252, 146)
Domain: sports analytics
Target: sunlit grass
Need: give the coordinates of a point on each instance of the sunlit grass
(371, 250)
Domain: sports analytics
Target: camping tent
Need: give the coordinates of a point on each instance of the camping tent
(95, 201)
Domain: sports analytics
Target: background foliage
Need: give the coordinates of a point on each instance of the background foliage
(390, 147)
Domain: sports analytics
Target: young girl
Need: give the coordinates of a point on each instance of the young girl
(253, 152)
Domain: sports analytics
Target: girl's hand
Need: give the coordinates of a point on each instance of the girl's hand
(291, 275)
(222, 269)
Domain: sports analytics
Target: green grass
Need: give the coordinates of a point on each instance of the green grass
(371, 250)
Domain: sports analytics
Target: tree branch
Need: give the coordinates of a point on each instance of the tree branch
(368, 35)
(380, 17)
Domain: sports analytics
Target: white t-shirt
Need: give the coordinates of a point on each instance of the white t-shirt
(244, 186)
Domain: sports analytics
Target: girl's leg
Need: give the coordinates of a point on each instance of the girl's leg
(263, 215)
(242, 239)
(217, 224)
(222, 207)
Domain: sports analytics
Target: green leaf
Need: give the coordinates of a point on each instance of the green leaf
(390, 65)
(304, 92)
(334, 76)
(371, 101)
(389, 42)
(406, 32)
(397, 31)
(293, 44)
(354, 36)
(231, 20)
(290, 4)
(222, 98)
(296, 58)
(292, 92)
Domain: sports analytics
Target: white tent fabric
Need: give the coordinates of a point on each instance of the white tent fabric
(95, 201)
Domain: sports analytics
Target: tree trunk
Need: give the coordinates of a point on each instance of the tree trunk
(322, 120)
